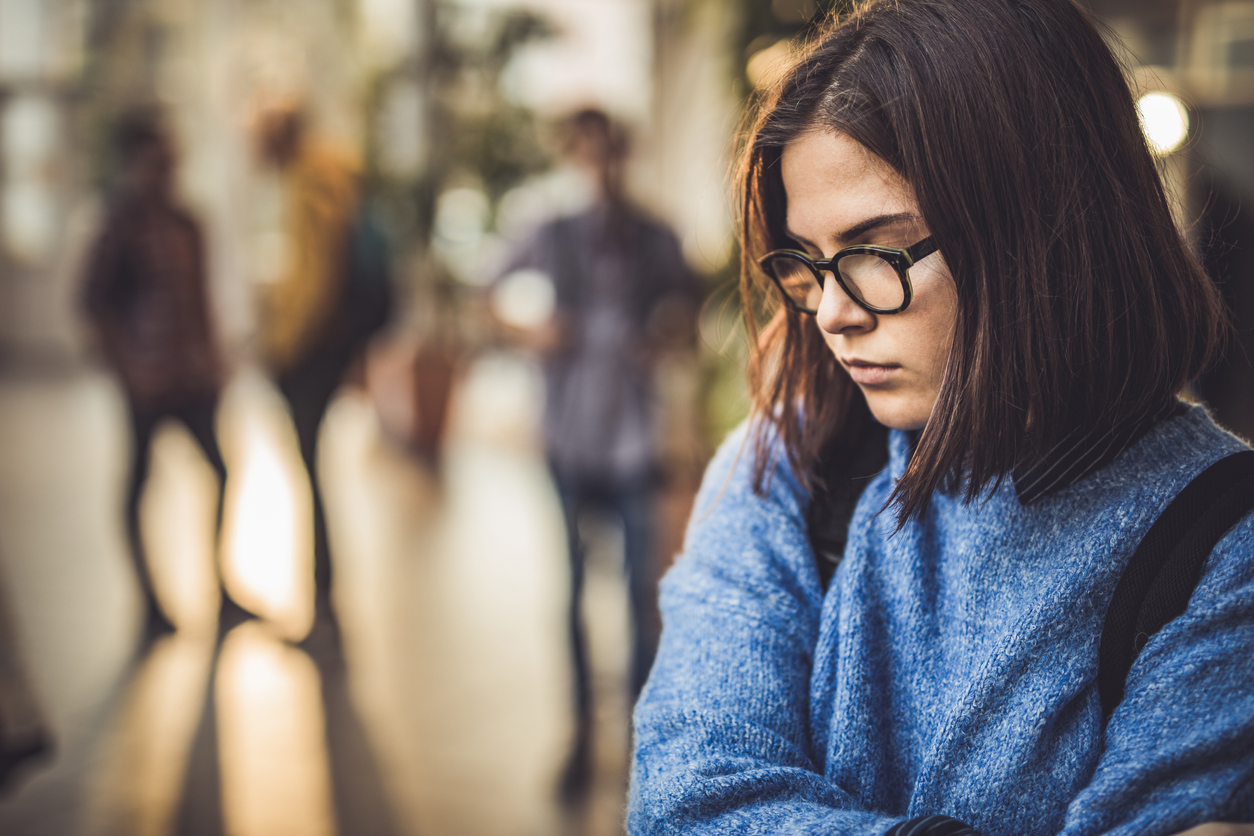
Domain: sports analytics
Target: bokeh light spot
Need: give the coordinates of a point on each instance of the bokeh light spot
(524, 299)
(1165, 121)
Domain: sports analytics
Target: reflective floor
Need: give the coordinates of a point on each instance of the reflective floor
(447, 711)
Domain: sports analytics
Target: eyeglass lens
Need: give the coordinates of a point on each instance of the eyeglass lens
(797, 281)
(869, 278)
(873, 280)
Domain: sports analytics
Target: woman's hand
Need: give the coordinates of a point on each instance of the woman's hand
(1219, 828)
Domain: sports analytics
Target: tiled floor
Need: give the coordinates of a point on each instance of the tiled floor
(447, 712)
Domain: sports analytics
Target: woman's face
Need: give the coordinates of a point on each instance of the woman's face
(839, 195)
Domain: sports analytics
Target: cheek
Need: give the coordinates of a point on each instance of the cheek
(926, 331)
(931, 334)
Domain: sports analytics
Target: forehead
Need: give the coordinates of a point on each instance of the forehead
(833, 183)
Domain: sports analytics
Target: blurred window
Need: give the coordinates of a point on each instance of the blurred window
(22, 38)
(1221, 58)
(390, 29)
(401, 130)
(611, 44)
(41, 39)
(29, 127)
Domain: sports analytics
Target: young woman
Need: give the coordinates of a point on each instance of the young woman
(982, 306)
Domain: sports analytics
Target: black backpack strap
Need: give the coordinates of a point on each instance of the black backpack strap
(1160, 578)
(842, 473)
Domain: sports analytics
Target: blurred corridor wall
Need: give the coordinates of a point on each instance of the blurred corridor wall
(41, 60)
(696, 111)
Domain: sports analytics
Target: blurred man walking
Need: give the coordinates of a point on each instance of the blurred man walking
(623, 294)
(145, 294)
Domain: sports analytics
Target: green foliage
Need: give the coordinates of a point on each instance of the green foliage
(786, 18)
(478, 129)
(475, 133)
(763, 22)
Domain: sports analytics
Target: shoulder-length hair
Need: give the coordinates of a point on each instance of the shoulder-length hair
(1078, 299)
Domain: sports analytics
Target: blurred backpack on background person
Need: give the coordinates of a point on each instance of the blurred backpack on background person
(368, 297)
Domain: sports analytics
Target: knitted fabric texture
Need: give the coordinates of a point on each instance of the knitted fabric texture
(952, 667)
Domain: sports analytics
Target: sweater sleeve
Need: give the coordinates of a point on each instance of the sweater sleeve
(722, 727)
(1179, 748)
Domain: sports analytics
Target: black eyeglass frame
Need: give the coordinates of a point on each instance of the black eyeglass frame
(901, 261)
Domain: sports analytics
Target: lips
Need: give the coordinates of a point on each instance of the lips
(865, 373)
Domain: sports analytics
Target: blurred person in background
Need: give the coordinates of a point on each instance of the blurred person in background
(146, 297)
(24, 735)
(623, 295)
(330, 297)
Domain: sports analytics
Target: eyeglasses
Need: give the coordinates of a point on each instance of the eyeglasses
(877, 278)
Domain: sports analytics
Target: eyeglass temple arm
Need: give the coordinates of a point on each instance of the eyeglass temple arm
(922, 249)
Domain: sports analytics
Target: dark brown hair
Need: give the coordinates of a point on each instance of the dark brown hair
(1078, 299)
(137, 129)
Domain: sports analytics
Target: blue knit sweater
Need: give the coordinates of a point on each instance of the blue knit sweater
(950, 669)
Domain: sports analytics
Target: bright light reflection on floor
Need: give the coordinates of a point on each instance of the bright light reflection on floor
(275, 772)
(178, 512)
(141, 781)
(428, 586)
(268, 528)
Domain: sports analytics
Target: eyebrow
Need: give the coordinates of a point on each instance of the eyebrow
(862, 228)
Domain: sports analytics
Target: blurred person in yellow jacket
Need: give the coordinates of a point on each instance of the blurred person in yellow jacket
(308, 340)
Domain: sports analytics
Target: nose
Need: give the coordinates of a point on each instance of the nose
(839, 314)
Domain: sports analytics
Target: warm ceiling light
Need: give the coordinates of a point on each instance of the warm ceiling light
(1165, 121)
(769, 65)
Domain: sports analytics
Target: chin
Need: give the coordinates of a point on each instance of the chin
(895, 412)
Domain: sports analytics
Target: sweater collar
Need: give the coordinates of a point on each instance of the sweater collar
(1084, 450)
